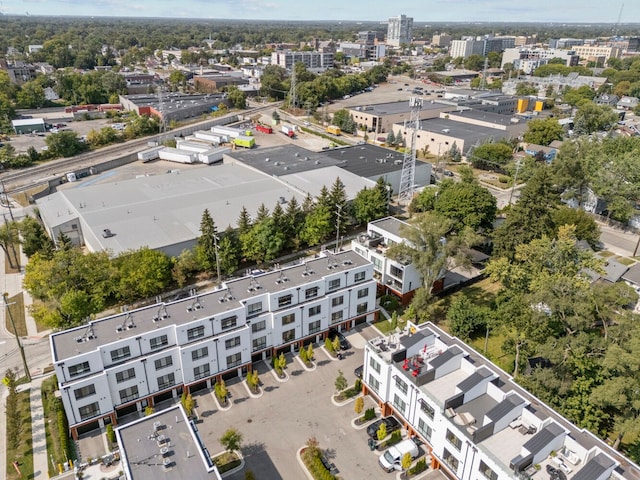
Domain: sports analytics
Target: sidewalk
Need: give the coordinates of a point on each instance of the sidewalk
(39, 446)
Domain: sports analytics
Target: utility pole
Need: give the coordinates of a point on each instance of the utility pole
(515, 180)
(13, 325)
(7, 201)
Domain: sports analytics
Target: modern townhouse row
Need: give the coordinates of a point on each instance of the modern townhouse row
(475, 421)
(121, 364)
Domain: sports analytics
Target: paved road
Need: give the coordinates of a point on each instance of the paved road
(618, 241)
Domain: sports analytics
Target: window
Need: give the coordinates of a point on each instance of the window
(427, 409)
(453, 440)
(163, 362)
(450, 460)
(373, 364)
(400, 385)
(159, 342)
(373, 383)
(337, 301)
(395, 271)
(201, 371)
(289, 335)
(166, 381)
(425, 430)
(287, 319)
(259, 343)
(125, 375)
(284, 300)
(228, 322)
(314, 327)
(359, 276)
(88, 411)
(334, 284)
(195, 332)
(128, 394)
(258, 326)
(362, 308)
(399, 403)
(336, 316)
(84, 391)
(487, 472)
(80, 369)
(377, 263)
(120, 354)
(234, 360)
(199, 353)
(363, 292)
(254, 309)
(311, 293)
(313, 311)
(231, 342)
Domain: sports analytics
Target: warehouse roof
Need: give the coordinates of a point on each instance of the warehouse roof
(394, 108)
(283, 160)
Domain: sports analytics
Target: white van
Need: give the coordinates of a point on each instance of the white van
(391, 459)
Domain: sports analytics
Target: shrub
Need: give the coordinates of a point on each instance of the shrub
(328, 344)
(63, 432)
(369, 414)
(359, 405)
(303, 355)
(111, 435)
(504, 179)
(419, 467)
(221, 390)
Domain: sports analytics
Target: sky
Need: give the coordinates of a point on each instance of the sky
(573, 11)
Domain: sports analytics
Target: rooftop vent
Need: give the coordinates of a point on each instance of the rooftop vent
(282, 278)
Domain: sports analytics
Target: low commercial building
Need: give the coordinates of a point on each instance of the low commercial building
(172, 106)
(121, 364)
(215, 83)
(474, 420)
(28, 125)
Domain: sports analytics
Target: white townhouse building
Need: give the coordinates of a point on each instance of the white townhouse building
(475, 421)
(393, 276)
(118, 365)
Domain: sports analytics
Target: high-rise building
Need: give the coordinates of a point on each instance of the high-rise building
(400, 30)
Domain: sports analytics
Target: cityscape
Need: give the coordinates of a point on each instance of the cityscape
(323, 242)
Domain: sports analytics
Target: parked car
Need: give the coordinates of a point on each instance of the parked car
(359, 371)
(391, 423)
(344, 343)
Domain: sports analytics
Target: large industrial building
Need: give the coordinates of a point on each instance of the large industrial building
(120, 364)
(473, 419)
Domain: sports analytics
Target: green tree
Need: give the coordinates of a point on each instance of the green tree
(586, 227)
(244, 221)
(405, 462)
(231, 440)
(206, 243)
(369, 204)
(221, 391)
(184, 266)
(592, 118)
(34, 238)
(253, 380)
(543, 132)
(358, 406)
(487, 155)
(465, 319)
(31, 95)
(64, 144)
(578, 96)
(382, 432)
(263, 241)
(142, 273)
(317, 226)
(237, 97)
(525, 89)
(467, 204)
(341, 382)
(229, 253)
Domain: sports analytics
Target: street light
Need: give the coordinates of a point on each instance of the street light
(217, 249)
(24, 359)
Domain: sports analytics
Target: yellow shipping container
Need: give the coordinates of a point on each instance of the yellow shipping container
(523, 104)
(539, 106)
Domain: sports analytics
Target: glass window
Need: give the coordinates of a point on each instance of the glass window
(374, 383)
(81, 368)
(373, 364)
(234, 360)
(427, 409)
(399, 403)
(201, 371)
(259, 343)
(289, 335)
(363, 292)
(163, 362)
(377, 263)
(396, 272)
(158, 342)
(336, 301)
(450, 460)
(425, 430)
(120, 354)
(288, 319)
(125, 375)
(258, 326)
(231, 343)
(128, 394)
(359, 276)
(314, 327)
(362, 308)
(199, 353)
(284, 300)
(89, 411)
(254, 308)
(400, 385)
(453, 440)
(334, 284)
(228, 322)
(314, 310)
(311, 293)
(166, 381)
(195, 332)
(487, 472)
(336, 316)
(84, 391)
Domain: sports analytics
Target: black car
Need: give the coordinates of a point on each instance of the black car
(358, 371)
(344, 343)
(391, 423)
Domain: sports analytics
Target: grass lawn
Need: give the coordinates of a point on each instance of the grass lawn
(481, 293)
(24, 453)
(625, 260)
(16, 307)
(7, 265)
(606, 254)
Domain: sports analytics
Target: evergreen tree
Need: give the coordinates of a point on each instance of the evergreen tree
(262, 213)
(338, 198)
(279, 218)
(244, 221)
(63, 242)
(206, 243)
(294, 219)
(229, 252)
(308, 205)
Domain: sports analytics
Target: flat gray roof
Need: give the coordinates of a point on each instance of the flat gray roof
(103, 331)
(391, 225)
(368, 161)
(394, 108)
(495, 118)
(174, 101)
(163, 210)
(312, 181)
(283, 160)
(470, 133)
(143, 443)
